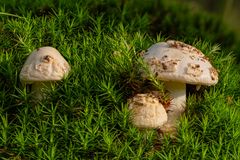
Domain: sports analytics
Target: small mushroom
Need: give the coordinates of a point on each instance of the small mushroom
(42, 67)
(147, 111)
(177, 63)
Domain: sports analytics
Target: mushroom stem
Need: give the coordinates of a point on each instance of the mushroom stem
(177, 107)
(38, 88)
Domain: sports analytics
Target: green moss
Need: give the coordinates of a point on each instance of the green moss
(85, 115)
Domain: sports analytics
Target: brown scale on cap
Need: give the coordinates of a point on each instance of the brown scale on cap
(135, 102)
(151, 97)
(165, 64)
(164, 58)
(213, 73)
(194, 70)
(184, 47)
(176, 44)
(153, 61)
(203, 58)
(169, 66)
(192, 57)
(140, 99)
(179, 45)
(47, 59)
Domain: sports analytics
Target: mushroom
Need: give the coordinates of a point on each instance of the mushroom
(177, 63)
(147, 111)
(42, 67)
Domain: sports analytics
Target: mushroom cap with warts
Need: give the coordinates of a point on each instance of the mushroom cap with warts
(147, 111)
(44, 64)
(180, 62)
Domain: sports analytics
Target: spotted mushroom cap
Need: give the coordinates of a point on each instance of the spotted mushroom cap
(177, 61)
(147, 111)
(44, 64)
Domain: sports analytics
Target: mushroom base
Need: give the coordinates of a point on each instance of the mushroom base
(177, 107)
(38, 90)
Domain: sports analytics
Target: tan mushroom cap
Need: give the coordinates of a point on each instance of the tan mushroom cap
(44, 64)
(177, 61)
(147, 111)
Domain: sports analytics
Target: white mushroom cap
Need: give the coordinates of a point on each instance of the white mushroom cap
(44, 64)
(147, 111)
(177, 61)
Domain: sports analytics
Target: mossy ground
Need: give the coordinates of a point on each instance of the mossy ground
(86, 116)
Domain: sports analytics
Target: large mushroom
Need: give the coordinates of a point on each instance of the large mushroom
(147, 111)
(42, 67)
(177, 63)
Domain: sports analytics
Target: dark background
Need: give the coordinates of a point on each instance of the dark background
(229, 10)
